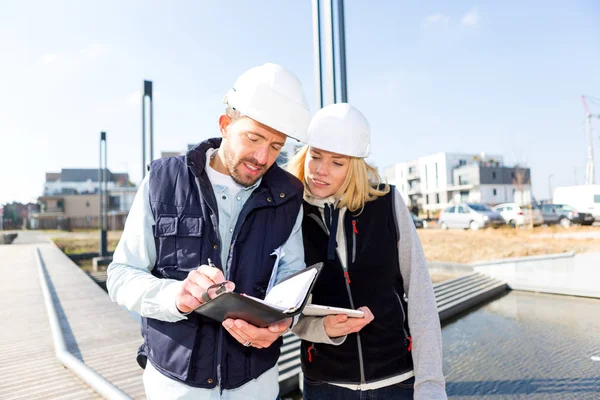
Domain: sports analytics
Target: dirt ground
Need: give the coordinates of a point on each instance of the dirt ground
(463, 246)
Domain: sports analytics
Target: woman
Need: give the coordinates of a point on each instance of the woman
(363, 232)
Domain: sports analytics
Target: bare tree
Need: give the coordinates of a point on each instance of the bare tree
(520, 180)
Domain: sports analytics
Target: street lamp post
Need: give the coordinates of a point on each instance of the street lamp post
(102, 177)
(148, 94)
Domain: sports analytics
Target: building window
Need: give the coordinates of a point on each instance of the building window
(494, 175)
(426, 179)
(437, 184)
(462, 162)
(437, 198)
(495, 192)
(512, 175)
(87, 204)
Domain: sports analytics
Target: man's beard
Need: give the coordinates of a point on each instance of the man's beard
(234, 169)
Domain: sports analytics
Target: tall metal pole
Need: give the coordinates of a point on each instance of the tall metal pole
(342, 47)
(329, 56)
(317, 52)
(151, 126)
(143, 136)
(101, 174)
(147, 94)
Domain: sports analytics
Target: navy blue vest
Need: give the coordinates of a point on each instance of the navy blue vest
(373, 280)
(198, 351)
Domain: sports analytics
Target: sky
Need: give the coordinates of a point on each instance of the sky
(462, 76)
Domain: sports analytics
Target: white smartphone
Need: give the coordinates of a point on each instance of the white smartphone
(315, 310)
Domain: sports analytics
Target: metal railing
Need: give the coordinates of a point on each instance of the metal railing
(85, 373)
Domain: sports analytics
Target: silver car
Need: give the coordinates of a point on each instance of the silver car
(470, 216)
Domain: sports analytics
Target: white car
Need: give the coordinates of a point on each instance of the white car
(516, 215)
(469, 216)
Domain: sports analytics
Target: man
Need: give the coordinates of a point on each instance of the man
(223, 212)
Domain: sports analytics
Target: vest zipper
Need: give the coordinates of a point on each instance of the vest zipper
(220, 340)
(354, 233)
(358, 341)
(347, 282)
(407, 338)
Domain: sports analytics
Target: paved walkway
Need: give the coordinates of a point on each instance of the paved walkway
(97, 331)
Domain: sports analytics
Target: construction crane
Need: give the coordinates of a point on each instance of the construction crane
(589, 169)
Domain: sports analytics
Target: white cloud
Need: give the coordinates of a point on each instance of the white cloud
(436, 19)
(96, 50)
(49, 58)
(471, 18)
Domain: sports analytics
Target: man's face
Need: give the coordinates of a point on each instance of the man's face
(249, 148)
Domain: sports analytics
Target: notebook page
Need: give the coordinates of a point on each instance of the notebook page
(290, 293)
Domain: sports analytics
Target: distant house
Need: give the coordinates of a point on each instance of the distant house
(71, 200)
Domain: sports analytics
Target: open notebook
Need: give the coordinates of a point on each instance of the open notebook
(284, 300)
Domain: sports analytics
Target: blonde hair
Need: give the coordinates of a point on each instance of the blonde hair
(362, 183)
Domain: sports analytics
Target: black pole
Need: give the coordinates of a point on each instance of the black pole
(106, 197)
(342, 44)
(101, 174)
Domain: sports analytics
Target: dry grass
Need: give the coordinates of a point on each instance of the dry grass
(453, 245)
(490, 244)
(87, 242)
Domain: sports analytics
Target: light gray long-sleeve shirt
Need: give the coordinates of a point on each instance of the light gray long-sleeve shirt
(423, 317)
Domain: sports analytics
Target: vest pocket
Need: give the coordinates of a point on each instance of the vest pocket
(170, 345)
(179, 244)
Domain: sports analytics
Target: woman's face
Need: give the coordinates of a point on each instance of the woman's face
(325, 171)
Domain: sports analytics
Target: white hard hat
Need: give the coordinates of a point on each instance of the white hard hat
(340, 128)
(273, 96)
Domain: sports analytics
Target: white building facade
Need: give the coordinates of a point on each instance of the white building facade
(433, 182)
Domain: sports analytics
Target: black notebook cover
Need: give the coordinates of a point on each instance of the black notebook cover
(237, 306)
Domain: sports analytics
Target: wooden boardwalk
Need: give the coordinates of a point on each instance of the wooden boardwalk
(98, 332)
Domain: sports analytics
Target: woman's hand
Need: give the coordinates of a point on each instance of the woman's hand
(341, 324)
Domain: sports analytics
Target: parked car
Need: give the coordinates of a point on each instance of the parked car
(516, 215)
(418, 221)
(565, 215)
(469, 215)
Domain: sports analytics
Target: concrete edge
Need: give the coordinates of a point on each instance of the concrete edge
(569, 254)
(556, 291)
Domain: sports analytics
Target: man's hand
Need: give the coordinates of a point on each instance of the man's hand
(250, 335)
(340, 325)
(197, 281)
